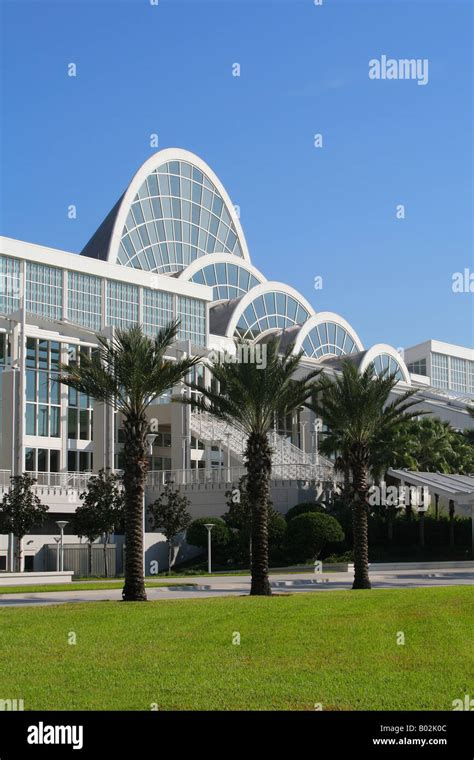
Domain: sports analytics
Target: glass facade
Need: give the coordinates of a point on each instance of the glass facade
(452, 373)
(9, 284)
(80, 417)
(227, 280)
(42, 460)
(439, 370)
(270, 311)
(43, 390)
(157, 310)
(85, 300)
(384, 364)
(328, 339)
(418, 367)
(122, 304)
(192, 314)
(44, 290)
(177, 216)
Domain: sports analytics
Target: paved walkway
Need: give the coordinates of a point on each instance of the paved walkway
(228, 585)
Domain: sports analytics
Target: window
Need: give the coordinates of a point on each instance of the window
(42, 460)
(270, 311)
(330, 339)
(157, 310)
(9, 284)
(80, 418)
(227, 280)
(79, 461)
(122, 304)
(458, 374)
(418, 367)
(159, 463)
(163, 440)
(85, 300)
(384, 364)
(192, 315)
(43, 390)
(439, 370)
(44, 290)
(188, 220)
(4, 350)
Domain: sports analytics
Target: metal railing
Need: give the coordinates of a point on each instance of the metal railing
(284, 453)
(67, 480)
(229, 475)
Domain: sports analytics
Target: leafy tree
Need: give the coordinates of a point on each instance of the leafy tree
(130, 371)
(101, 512)
(361, 422)
(21, 510)
(469, 432)
(170, 515)
(303, 508)
(250, 397)
(239, 519)
(308, 533)
(431, 445)
(196, 535)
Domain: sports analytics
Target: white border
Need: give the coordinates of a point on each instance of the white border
(152, 163)
(266, 287)
(384, 348)
(319, 318)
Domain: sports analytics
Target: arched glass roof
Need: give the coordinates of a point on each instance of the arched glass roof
(177, 216)
(268, 311)
(386, 364)
(227, 279)
(328, 339)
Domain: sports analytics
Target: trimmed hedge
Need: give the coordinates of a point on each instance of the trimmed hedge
(308, 533)
(303, 509)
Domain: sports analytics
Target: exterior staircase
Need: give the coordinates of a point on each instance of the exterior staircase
(288, 461)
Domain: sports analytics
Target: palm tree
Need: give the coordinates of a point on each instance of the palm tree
(129, 372)
(433, 445)
(250, 397)
(361, 424)
(469, 432)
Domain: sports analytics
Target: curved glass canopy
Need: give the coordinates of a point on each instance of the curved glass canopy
(328, 339)
(177, 216)
(270, 311)
(227, 280)
(386, 364)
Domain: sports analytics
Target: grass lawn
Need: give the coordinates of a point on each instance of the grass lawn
(79, 586)
(338, 648)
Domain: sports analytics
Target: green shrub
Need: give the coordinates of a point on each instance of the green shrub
(308, 533)
(277, 528)
(303, 509)
(196, 535)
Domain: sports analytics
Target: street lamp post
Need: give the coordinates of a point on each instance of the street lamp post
(58, 541)
(61, 525)
(209, 527)
(150, 439)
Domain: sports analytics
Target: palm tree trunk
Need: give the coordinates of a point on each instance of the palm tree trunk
(360, 525)
(259, 464)
(134, 476)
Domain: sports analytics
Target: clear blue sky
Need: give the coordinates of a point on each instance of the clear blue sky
(304, 70)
